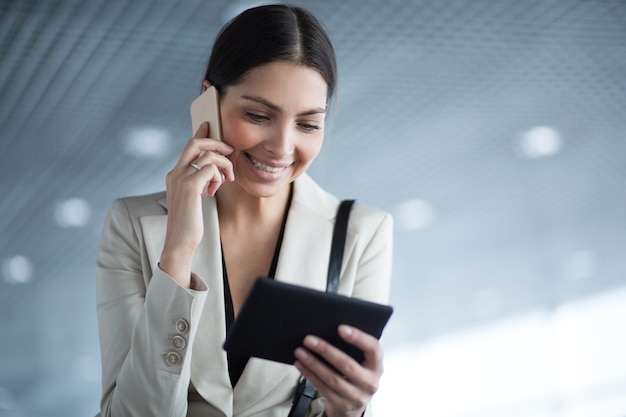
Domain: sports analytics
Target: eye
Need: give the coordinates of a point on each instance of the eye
(309, 128)
(256, 117)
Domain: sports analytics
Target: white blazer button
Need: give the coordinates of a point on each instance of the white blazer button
(182, 326)
(179, 342)
(172, 358)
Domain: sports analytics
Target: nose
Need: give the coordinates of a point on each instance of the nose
(281, 143)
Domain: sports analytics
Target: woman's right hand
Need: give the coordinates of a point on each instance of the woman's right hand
(185, 188)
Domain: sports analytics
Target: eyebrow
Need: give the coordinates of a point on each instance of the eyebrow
(277, 108)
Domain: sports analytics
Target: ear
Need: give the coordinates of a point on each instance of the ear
(205, 85)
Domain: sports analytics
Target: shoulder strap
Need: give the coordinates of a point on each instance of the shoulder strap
(305, 391)
(338, 244)
(302, 401)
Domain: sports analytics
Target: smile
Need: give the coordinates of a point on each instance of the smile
(264, 167)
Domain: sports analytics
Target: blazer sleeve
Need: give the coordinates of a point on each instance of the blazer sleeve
(147, 324)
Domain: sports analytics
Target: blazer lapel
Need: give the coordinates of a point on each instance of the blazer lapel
(153, 228)
(306, 246)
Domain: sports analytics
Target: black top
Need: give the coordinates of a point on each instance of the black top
(237, 363)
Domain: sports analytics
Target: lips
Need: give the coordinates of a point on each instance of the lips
(264, 167)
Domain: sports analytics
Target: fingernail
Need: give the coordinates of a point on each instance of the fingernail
(346, 330)
(311, 341)
(301, 354)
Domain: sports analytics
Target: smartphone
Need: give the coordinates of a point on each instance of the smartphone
(206, 108)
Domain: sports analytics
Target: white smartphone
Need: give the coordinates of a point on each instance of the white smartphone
(206, 108)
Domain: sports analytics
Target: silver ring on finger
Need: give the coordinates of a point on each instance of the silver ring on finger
(196, 166)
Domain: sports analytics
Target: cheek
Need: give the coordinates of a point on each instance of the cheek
(236, 133)
(311, 147)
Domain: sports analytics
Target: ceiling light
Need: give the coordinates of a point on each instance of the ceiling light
(415, 214)
(74, 212)
(147, 142)
(17, 270)
(540, 141)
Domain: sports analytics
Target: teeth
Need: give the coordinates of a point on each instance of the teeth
(264, 167)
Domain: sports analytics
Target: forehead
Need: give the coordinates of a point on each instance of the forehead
(285, 84)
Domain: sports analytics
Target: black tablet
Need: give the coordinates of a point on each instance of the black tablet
(277, 316)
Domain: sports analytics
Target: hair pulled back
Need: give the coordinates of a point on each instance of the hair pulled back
(265, 34)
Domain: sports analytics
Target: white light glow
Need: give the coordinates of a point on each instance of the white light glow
(415, 214)
(74, 212)
(540, 141)
(567, 350)
(147, 142)
(563, 363)
(17, 270)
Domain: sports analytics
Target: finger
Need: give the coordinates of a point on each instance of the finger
(209, 177)
(217, 179)
(224, 164)
(328, 383)
(363, 378)
(365, 375)
(197, 147)
(330, 377)
(337, 390)
(370, 346)
(201, 179)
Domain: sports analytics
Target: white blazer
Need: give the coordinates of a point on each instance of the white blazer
(161, 344)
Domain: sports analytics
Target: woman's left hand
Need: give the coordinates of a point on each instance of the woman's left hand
(348, 392)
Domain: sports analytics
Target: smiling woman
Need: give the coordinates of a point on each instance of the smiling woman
(174, 268)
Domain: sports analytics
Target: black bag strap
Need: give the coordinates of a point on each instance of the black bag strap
(305, 391)
(337, 246)
(304, 395)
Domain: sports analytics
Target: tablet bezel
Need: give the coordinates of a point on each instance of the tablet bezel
(277, 316)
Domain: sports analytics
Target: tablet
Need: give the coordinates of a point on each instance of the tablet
(277, 316)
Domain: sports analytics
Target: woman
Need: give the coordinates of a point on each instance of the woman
(174, 268)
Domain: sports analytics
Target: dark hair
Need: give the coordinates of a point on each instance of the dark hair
(264, 34)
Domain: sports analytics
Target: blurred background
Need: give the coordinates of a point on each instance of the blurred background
(493, 130)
